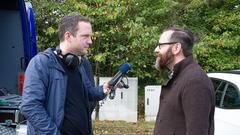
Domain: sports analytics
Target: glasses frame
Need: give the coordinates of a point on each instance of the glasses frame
(168, 43)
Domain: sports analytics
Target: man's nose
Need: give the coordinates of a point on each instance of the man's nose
(157, 49)
(90, 41)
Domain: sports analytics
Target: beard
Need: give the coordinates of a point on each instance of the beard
(163, 61)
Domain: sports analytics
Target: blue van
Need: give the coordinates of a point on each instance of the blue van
(17, 47)
(17, 43)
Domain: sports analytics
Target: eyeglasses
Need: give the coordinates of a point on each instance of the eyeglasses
(169, 43)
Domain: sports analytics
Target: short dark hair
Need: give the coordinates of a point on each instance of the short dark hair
(183, 36)
(70, 23)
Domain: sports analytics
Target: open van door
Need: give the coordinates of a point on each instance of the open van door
(17, 47)
(17, 43)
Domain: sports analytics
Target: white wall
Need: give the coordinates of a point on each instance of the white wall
(123, 106)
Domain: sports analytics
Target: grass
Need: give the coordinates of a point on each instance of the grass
(122, 128)
(126, 128)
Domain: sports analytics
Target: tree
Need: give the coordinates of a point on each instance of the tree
(128, 30)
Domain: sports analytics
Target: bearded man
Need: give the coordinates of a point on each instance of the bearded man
(187, 99)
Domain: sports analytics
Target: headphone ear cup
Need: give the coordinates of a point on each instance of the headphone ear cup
(71, 60)
(58, 51)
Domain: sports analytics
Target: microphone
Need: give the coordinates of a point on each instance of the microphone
(124, 69)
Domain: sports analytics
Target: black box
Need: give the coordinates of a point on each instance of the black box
(9, 110)
(9, 116)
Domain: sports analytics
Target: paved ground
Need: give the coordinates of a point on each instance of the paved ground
(22, 130)
(4, 130)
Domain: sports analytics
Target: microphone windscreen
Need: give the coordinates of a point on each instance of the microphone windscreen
(124, 68)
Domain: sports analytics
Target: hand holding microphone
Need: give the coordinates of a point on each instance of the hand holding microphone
(113, 83)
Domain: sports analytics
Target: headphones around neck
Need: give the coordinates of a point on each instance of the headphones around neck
(69, 59)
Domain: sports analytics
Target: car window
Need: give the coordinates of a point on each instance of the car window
(219, 90)
(231, 98)
(227, 95)
(216, 83)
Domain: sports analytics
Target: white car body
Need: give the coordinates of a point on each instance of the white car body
(227, 119)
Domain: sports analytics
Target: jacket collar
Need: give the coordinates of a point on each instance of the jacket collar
(178, 68)
(54, 63)
(53, 60)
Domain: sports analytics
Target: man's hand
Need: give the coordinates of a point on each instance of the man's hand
(106, 88)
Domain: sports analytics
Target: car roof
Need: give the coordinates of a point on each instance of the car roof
(230, 77)
(229, 71)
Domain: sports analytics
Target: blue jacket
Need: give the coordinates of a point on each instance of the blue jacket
(44, 94)
(88, 68)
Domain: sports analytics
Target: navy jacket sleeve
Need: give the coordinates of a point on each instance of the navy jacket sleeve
(94, 93)
(88, 68)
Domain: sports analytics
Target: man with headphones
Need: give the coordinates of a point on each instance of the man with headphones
(57, 87)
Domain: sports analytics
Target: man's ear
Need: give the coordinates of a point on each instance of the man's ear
(177, 48)
(67, 36)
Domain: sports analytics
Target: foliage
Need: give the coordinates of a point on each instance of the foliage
(127, 31)
(220, 45)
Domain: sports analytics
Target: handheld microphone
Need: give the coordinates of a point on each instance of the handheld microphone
(124, 69)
